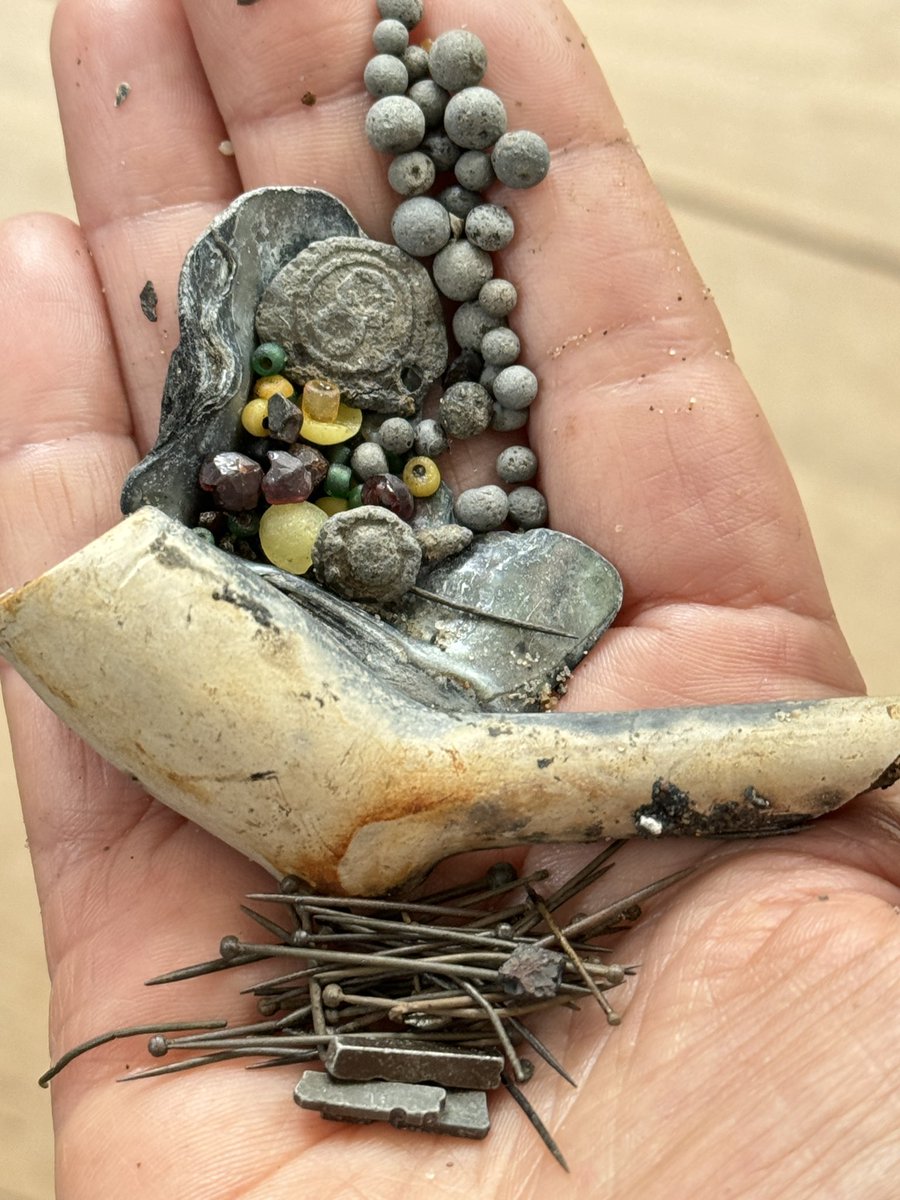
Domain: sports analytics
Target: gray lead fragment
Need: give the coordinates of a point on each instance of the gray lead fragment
(149, 300)
(122, 93)
(403, 1105)
(403, 1061)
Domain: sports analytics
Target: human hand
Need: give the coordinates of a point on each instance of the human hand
(736, 1067)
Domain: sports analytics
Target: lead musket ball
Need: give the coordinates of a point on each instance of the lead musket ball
(390, 37)
(442, 151)
(394, 125)
(369, 459)
(410, 12)
(476, 118)
(367, 553)
(517, 464)
(465, 410)
(461, 270)
(431, 440)
(482, 509)
(473, 170)
(508, 420)
(500, 347)
(411, 174)
(385, 75)
(421, 226)
(415, 59)
(498, 297)
(396, 435)
(458, 60)
(527, 508)
(459, 201)
(490, 227)
(431, 99)
(515, 387)
(471, 323)
(521, 159)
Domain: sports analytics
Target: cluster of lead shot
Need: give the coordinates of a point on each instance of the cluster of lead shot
(432, 113)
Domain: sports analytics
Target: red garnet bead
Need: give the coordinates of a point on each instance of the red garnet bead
(234, 479)
(390, 492)
(293, 475)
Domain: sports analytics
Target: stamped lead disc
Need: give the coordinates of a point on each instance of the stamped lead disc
(362, 314)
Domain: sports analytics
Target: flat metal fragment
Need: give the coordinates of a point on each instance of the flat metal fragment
(403, 1105)
(532, 971)
(403, 1061)
(362, 314)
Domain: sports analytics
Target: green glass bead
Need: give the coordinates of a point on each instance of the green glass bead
(206, 534)
(339, 454)
(338, 481)
(243, 525)
(396, 463)
(268, 359)
(354, 496)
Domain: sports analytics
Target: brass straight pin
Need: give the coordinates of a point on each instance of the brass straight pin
(611, 1015)
(114, 1034)
(535, 1120)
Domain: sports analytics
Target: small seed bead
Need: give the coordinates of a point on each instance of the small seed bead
(254, 417)
(527, 508)
(385, 75)
(330, 433)
(517, 464)
(321, 400)
(475, 118)
(287, 533)
(458, 60)
(268, 359)
(482, 509)
(267, 387)
(422, 476)
(390, 37)
(500, 347)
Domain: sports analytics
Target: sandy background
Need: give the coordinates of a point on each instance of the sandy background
(773, 130)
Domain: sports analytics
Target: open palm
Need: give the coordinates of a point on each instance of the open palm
(758, 1050)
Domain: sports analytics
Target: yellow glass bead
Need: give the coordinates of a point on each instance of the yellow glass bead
(254, 416)
(422, 476)
(270, 384)
(332, 504)
(287, 533)
(329, 433)
(321, 400)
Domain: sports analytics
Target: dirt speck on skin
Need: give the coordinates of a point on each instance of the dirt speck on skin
(309, 99)
(122, 93)
(149, 300)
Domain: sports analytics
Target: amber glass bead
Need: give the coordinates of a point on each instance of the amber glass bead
(268, 359)
(287, 533)
(331, 505)
(321, 400)
(268, 386)
(330, 433)
(421, 476)
(390, 492)
(254, 417)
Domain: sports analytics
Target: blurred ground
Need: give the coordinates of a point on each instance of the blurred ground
(772, 129)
